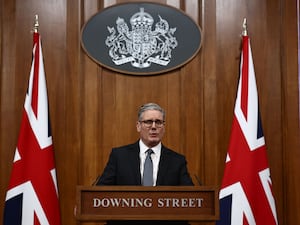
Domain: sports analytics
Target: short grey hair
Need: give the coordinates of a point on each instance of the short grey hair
(150, 106)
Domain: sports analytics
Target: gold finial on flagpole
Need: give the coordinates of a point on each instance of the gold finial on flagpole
(244, 33)
(36, 24)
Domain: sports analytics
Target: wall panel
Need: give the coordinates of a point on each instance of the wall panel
(290, 112)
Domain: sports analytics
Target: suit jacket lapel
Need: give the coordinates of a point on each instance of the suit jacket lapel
(163, 165)
(134, 160)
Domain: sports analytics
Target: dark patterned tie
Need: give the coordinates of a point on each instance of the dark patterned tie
(148, 169)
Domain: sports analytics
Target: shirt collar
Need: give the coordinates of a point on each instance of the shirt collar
(143, 148)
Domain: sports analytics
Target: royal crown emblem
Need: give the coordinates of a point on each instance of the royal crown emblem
(141, 46)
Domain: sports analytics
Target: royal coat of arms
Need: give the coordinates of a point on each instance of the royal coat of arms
(142, 45)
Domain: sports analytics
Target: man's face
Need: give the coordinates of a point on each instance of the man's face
(151, 134)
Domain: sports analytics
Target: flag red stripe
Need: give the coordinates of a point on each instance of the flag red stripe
(35, 86)
(245, 71)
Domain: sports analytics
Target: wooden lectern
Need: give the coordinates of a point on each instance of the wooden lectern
(190, 203)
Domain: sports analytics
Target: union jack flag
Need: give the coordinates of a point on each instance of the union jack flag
(32, 196)
(246, 196)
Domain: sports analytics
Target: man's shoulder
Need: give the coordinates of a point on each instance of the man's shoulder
(171, 152)
(128, 147)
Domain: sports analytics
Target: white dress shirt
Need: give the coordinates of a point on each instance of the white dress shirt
(155, 159)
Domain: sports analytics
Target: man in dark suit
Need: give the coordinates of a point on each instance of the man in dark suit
(123, 168)
(126, 164)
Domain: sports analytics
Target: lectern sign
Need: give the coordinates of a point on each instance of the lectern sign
(141, 38)
(146, 203)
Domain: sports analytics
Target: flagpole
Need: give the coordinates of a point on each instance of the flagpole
(36, 24)
(244, 33)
